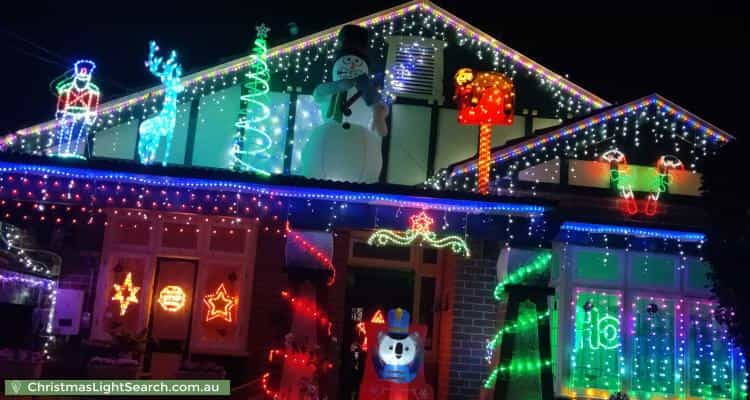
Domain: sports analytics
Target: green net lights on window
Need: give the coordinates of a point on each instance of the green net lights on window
(597, 360)
(539, 264)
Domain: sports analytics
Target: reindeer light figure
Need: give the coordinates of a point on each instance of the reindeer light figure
(162, 125)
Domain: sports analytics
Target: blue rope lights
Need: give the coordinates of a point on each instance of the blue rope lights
(634, 231)
(394, 200)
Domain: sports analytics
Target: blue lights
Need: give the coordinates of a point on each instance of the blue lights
(325, 194)
(715, 134)
(634, 231)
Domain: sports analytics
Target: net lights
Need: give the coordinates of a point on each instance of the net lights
(420, 230)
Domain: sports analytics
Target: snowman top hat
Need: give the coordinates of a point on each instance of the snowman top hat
(353, 40)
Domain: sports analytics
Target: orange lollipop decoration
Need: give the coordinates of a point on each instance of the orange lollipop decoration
(484, 98)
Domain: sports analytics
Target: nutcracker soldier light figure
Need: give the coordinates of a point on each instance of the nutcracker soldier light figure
(77, 106)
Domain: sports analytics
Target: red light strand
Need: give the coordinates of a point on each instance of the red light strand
(319, 255)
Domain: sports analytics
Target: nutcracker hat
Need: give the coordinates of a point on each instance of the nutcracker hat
(353, 40)
(398, 322)
(84, 67)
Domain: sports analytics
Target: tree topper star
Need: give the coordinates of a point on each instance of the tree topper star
(132, 292)
(227, 303)
(262, 30)
(421, 223)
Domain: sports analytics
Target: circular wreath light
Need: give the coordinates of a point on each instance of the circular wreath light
(172, 298)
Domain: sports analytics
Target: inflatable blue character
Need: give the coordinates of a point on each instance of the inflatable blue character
(399, 353)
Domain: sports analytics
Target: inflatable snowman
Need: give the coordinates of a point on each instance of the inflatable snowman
(347, 146)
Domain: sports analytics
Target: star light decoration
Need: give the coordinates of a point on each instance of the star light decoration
(421, 228)
(224, 309)
(132, 292)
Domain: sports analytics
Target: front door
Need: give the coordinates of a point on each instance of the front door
(171, 313)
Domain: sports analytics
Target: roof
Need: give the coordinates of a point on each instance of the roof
(541, 138)
(330, 34)
(277, 185)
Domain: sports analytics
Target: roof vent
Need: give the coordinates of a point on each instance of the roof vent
(414, 68)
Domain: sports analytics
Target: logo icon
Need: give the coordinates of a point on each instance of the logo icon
(15, 386)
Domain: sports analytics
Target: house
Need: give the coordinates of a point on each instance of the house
(599, 202)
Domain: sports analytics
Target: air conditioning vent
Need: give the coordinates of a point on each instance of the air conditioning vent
(415, 68)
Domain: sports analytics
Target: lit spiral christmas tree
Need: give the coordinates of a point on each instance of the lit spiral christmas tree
(251, 139)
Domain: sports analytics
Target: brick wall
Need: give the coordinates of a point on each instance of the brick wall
(270, 277)
(268, 280)
(474, 320)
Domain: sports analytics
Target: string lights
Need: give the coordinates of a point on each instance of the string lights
(597, 361)
(37, 261)
(539, 264)
(171, 298)
(162, 125)
(126, 287)
(250, 140)
(294, 63)
(420, 230)
(322, 258)
(302, 359)
(621, 126)
(77, 107)
(484, 99)
(220, 304)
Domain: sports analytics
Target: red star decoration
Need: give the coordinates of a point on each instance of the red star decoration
(421, 223)
(224, 311)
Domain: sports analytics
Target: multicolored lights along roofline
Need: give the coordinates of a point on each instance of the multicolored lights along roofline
(674, 110)
(633, 231)
(330, 34)
(325, 194)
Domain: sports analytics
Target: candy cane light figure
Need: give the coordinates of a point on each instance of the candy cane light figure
(484, 98)
(77, 107)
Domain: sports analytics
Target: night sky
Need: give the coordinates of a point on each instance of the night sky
(685, 53)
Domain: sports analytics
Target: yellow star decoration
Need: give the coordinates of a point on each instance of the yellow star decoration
(227, 303)
(132, 292)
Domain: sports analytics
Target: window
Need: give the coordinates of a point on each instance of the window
(600, 266)
(709, 354)
(179, 236)
(215, 130)
(395, 253)
(652, 270)
(653, 353)
(228, 240)
(597, 359)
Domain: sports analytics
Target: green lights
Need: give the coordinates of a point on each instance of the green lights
(539, 264)
(251, 139)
